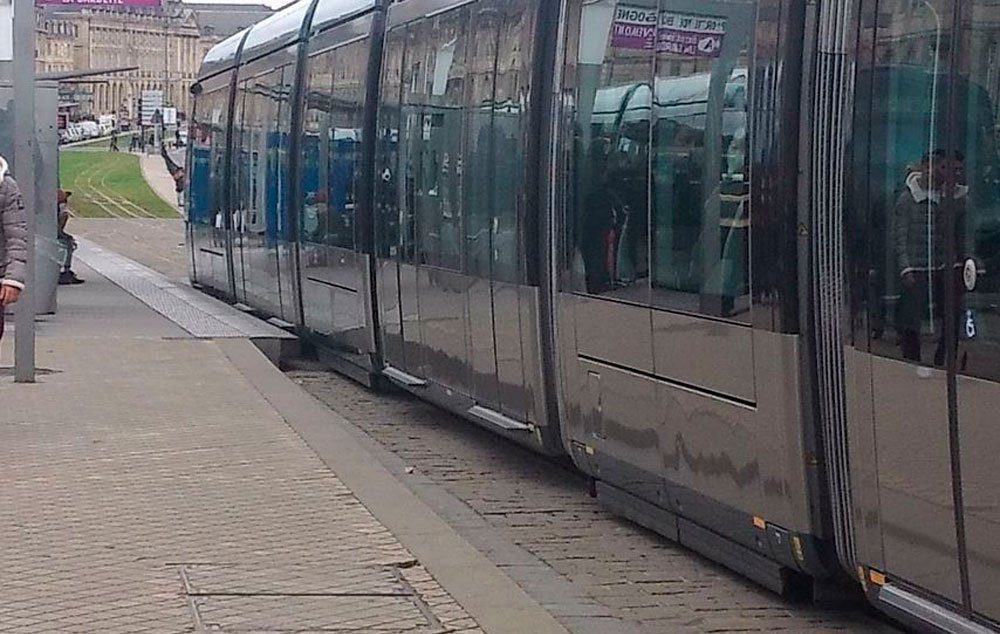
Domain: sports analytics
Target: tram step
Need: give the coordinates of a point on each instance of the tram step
(764, 571)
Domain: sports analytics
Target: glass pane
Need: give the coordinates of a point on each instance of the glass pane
(977, 192)
(316, 162)
(333, 125)
(433, 103)
(701, 184)
(609, 201)
(390, 212)
(479, 183)
(208, 145)
(509, 133)
(905, 123)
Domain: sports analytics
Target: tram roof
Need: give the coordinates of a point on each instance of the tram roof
(279, 30)
(222, 55)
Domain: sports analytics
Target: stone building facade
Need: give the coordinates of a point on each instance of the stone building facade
(165, 44)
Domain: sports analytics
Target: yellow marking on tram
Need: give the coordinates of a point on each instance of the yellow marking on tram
(876, 577)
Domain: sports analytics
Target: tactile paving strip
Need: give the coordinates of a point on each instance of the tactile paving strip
(196, 313)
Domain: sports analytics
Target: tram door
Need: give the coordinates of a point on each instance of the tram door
(454, 286)
(977, 299)
(332, 260)
(926, 188)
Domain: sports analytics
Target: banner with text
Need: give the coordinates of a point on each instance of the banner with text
(669, 32)
(100, 3)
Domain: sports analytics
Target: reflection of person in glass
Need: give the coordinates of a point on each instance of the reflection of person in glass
(598, 223)
(921, 224)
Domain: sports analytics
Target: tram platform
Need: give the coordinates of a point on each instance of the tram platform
(163, 475)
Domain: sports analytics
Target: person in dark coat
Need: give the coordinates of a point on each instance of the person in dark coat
(922, 219)
(14, 242)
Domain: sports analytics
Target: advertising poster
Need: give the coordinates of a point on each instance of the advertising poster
(669, 32)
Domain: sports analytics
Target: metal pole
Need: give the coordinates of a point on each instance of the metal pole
(25, 143)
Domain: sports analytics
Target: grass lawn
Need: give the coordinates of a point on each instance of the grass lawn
(109, 184)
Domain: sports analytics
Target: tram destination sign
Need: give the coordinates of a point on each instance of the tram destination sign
(99, 3)
(669, 32)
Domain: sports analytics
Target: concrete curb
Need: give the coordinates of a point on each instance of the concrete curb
(489, 595)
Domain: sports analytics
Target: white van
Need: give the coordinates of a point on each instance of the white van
(90, 129)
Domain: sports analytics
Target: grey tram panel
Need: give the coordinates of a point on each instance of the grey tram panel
(978, 404)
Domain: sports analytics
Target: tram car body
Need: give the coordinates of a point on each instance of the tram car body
(737, 259)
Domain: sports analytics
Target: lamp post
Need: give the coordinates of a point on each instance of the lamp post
(23, 67)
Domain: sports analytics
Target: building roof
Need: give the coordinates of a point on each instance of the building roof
(223, 20)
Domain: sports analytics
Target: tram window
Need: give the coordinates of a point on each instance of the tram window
(314, 214)
(479, 171)
(904, 120)
(433, 105)
(608, 228)
(264, 154)
(332, 137)
(510, 102)
(701, 213)
(208, 144)
(979, 234)
(392, 215)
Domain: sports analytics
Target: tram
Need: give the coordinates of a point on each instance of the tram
(738, 259)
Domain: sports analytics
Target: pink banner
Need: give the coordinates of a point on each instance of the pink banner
(100, 3)
(680, 34)
(634, 29)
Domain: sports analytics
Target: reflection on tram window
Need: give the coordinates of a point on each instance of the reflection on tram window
(261, 152)
(331, 145)
(662, 93)
(979, 117)
(432, 111)
(609, 236)
(207, 148)
(701, 184)
(479, 183)
(508, 142)
(393, 216)
(921, 194)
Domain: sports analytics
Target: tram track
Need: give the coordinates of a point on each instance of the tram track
(92, 185)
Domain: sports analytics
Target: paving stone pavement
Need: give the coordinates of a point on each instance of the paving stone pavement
(155, 242)
(542, 506)
(148, 487)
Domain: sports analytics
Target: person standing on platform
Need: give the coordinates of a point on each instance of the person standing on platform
(67, 243)
(14, 241)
